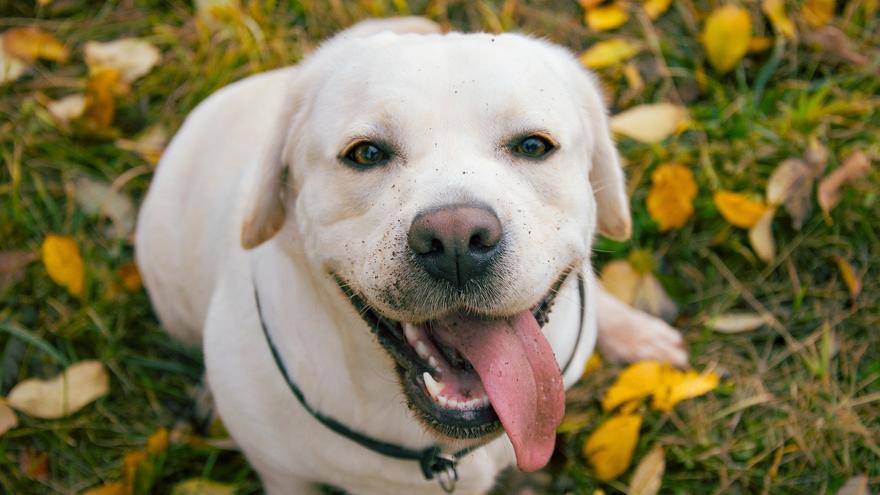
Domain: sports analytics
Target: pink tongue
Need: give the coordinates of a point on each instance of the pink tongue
(519, 373)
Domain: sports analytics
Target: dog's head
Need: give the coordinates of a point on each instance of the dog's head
(449, 184)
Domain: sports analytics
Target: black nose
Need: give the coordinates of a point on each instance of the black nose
(456, 243)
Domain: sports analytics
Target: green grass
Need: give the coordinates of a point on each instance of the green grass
(782, 421)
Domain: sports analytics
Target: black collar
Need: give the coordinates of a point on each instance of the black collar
(433, 462)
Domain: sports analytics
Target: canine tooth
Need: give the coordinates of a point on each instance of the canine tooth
(421, 349)
(443, 400)
(433, 362)
(484, 401)
(432, 385)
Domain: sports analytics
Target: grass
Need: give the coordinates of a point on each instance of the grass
(788, 418)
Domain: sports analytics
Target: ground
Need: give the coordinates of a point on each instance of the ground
(798, 407)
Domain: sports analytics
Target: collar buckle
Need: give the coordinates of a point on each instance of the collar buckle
(436, 464)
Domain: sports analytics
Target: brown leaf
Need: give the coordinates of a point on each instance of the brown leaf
(79, 385)
(640, 290)
(835, 44)
(857, 485)
(761, 237)
(852, 281)
(816, 156)
(101, 90)
(648, 476)
(8, 419)
(149, 145)
(96, 197)
(30, 43)
(131, 277)
(158, 442)
(112, 488)
(34, 464)
(13, 265)
(854, 167)
(791, 184)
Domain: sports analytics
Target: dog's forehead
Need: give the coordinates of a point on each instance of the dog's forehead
(474, 74)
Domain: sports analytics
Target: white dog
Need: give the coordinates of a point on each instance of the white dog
(368, 246)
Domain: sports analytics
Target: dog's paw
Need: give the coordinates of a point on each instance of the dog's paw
(638, 336)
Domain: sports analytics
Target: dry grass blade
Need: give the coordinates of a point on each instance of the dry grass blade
(648, 476)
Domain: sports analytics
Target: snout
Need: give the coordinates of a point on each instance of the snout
(456, 243)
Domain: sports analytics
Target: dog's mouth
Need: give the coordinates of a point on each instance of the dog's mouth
(467, 375)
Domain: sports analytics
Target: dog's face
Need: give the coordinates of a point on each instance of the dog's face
(449, 184)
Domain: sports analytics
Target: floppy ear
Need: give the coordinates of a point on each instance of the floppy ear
(606, 174)
(264, 210)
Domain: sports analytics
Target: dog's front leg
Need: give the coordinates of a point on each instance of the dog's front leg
(287, 485)
(628, 334)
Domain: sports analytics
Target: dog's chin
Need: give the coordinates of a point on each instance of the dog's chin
(441, 386)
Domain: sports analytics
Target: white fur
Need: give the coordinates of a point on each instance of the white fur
(447, 102)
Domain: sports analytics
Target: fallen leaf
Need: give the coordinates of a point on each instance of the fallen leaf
(857, 485)
(656, 8)
(635, 382)
(855, 166)
(650, 123)
(791, 184)
(594, 363)
(8, 419)
(671, 198)
(158, 442)
(835, 45)
(572, 423)
(817, 13)
(761, 237)
(30, 43)
(132, 57)
(605, 18)
(726, 36)
(738, 209)
(63, 395)
(101, 90)
(816, 156)
(199, 486)
(736, 322)
(589, 4)
(34, 464)
(680, 386)
(610, 448)
(11, 68)
(131, 277)
(149, 145)
(759, 43)
(13, 265)
(852, 281)
(640, 290)
(112, 488)
(775, 11)
(648, 476)
(620, 280)
(63, 263)
(67, 109)
(96, 197)
(609, 52)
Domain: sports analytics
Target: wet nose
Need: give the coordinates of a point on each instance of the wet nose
(456, 243)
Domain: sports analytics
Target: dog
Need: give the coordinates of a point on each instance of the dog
(384, 253)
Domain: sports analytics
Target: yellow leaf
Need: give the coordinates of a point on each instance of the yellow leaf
(854, 167)
(589, 4)
(761, 237)
(670, 200)
(650, 123)
(852, 281)
(648, 475)
(30, 43)
(610, 52)
(738, 209)
(759, 43)
(202, 487)
(112, 488)
(726, 36)
(63, 263)
(132, 57)
(8, 419)
(67, 393)
(656, 8)
(637, 381)
(101, 89)
(158, 441)
(640, 290)
(594, 363)
(572, 423)
(605, 18)
(680, 386)
(131, 277)
(775, 10)
(817, 13)
(610, 448)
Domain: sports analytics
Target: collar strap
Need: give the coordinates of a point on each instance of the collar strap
(432, 461)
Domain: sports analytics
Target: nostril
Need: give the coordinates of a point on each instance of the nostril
(436, 246)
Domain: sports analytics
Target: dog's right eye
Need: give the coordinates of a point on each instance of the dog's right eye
(365, 154)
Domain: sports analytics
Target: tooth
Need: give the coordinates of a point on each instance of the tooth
(432, 385)
(443, 400)
(484, 401)
(433, 362)
(421, 349)
(410, 332)
(453, 404)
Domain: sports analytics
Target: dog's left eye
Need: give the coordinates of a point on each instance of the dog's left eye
(366, 154)
(534, 146)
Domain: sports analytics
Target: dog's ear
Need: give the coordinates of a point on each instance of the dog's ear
(606, 173)
(264, 206)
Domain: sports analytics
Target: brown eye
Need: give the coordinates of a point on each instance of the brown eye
(366, 154)
(534, 146)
